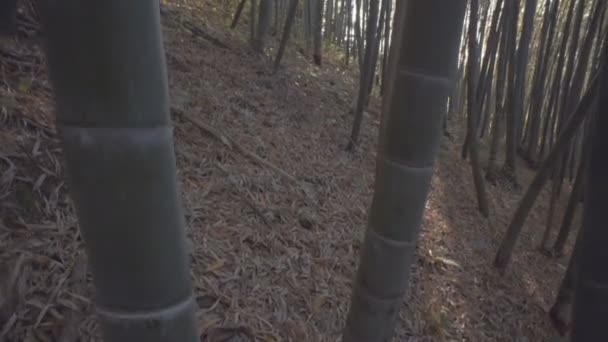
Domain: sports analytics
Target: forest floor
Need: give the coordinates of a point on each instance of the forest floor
(274, 242)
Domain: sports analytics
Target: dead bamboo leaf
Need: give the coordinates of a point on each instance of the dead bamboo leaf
(447, 262)
(38, 182)
(207, 322)
(317, 303)
(215, 266)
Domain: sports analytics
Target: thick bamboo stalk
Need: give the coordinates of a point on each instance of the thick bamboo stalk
(366, 73)
(509, 166)
(540, 80)
(591, 296)
(421, 70)
(317, 54)
(573, 201)
(522, 67)
(107, 68)
(561, 311)
(474, 110)
(291, 14)
(263, 25)
(8, 17)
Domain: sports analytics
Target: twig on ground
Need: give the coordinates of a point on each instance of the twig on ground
(233, 145)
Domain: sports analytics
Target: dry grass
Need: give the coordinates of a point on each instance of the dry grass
(274, 246)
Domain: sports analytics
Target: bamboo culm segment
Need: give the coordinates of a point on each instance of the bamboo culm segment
(107, 68)
(421, 76)
(591, 296)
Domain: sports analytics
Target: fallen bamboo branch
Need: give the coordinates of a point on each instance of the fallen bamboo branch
(233, 145)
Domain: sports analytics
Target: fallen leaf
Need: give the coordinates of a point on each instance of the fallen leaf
(317, 303)
(24, 85)
(219, 263)
(448, 262)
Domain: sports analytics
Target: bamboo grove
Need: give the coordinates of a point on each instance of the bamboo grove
(358, 30)
(529, 81)
(523, 79)
(529, 89)
(526, 90)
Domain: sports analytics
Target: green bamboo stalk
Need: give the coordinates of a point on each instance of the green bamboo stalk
(421, 71)
(107, 68)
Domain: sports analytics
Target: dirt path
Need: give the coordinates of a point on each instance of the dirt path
(274, 255)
